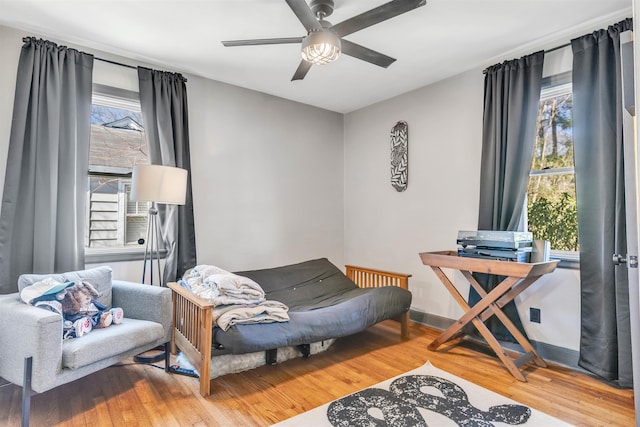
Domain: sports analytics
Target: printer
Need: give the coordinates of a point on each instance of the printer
(498, 245)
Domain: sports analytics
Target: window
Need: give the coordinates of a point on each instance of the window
(114, 224)
(551, 193)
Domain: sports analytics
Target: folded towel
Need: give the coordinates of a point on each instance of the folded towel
(223, 288)
(265, 312)
(233, 289)
(205, 270)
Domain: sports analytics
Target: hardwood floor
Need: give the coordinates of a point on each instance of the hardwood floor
(138, 395)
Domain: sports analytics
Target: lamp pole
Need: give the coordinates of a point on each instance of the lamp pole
(152, 246)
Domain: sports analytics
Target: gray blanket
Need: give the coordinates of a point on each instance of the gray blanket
(323, 303)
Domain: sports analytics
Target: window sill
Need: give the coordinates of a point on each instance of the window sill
(106, 255)
(568, 260)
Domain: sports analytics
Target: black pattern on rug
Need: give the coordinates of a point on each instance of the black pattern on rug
(398, 406)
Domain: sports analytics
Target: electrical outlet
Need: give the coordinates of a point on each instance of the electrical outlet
(534, 315)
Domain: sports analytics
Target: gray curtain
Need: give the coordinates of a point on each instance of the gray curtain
(511, 98)
(43, 203)
(163, 99)
(605, 341)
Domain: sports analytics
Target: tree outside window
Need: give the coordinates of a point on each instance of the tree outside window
(551, 194)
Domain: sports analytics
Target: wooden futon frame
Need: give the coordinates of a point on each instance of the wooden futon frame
(192, 329)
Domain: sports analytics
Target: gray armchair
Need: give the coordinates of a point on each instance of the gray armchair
(34, 355)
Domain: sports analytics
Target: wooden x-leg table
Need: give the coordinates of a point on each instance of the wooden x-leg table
(518, 277)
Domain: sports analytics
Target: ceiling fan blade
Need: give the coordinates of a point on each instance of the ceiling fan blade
(304, 14)
(255, 42)
(375, 16)
(302, 70)
(366, 54)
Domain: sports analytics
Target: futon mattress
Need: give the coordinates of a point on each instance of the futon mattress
(323, 303)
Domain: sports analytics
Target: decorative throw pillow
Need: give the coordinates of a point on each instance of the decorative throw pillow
(99, 277)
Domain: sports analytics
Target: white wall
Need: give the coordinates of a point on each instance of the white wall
(10, 45)
(269, 178)
(387, 229)
(267, 173)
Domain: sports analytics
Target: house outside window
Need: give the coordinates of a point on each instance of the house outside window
(115, 224)
(551, 194)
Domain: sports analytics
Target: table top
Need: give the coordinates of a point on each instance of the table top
(450, 259)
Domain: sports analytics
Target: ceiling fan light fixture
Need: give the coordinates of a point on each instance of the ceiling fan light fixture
(321, 47)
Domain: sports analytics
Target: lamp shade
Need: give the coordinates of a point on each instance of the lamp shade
(159, 184)
(321, 47)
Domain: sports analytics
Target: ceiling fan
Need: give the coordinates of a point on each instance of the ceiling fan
(324, 42)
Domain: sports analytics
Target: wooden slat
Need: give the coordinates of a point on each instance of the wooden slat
(104, 197)
(103, 235)
(193, 331)
(104, 225)
(104, 207)
(104, 216)
(370, 278)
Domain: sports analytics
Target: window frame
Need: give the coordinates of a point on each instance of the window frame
(130, 100)
(552, 86)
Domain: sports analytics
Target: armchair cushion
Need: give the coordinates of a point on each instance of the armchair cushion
(99, 277)
(101, 344)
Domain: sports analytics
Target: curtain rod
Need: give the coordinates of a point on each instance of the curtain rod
(115, 63)
(546, 51)
(557, 47)
(134, 67)
(25, 39)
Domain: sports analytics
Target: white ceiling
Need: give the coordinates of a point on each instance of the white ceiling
(441, 39)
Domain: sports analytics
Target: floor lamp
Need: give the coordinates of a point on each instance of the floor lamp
(157, 184)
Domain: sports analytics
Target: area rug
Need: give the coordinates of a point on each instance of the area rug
(426, 396)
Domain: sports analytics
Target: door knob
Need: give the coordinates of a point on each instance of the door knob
(631, 259)
(619, 259)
